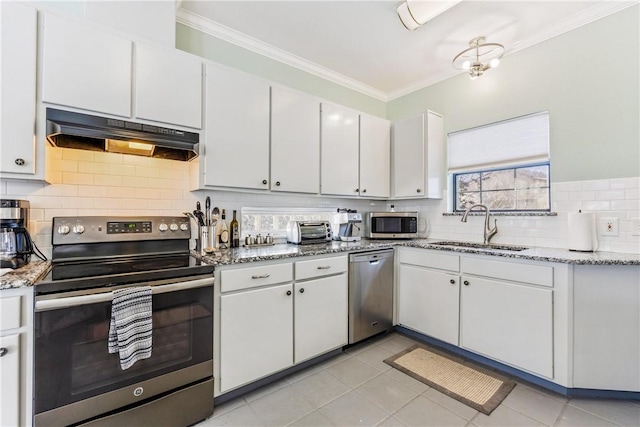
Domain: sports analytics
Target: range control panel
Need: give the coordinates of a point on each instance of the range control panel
(96, 229)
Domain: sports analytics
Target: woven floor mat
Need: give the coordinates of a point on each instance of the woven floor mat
(460, 379)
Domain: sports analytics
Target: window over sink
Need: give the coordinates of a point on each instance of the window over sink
(503, 165)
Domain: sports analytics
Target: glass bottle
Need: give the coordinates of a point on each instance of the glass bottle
(224, 231)
(235, 231)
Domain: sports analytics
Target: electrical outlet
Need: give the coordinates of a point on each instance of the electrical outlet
(609, 226)
(635, 227)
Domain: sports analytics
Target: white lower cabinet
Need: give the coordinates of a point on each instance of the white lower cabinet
(503, 310)
(320, 316)
(429, 302)
(606, 344)
(256, 334)
(270, 320)
(16, 350)
(508, 322)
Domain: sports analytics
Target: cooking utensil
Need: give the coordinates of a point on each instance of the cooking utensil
(207, 211)
(200, 216)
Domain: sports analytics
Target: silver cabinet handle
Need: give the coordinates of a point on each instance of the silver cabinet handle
(260, 276)
(3, 351)
(324, 267)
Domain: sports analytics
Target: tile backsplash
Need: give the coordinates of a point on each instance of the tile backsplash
(94, 183)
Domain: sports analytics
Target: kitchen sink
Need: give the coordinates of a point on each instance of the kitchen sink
(480, 246)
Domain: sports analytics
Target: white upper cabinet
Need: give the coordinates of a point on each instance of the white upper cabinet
(18, 88)
(375, 153)
(236, 130)
(85, 68)
(168, 86)
(295, 142)
(418, 156)
(339, 170)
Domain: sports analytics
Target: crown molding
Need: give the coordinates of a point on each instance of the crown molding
(185, 17)
(237, 38)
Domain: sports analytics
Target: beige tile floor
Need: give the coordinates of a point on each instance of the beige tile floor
(357, 389)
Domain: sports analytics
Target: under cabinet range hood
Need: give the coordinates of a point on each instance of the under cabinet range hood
(67, 129)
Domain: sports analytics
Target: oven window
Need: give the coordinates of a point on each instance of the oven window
(72, 361)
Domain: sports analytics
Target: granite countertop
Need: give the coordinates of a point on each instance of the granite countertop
(284, 251)
(24, 276)
(32, 272)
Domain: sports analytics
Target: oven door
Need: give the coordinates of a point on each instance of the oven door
(77, 379)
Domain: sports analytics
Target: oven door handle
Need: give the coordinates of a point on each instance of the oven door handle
(66, 302)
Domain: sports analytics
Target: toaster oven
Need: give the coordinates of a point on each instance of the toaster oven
(304, 232)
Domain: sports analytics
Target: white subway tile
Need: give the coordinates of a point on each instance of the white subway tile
(77, 178)
(104, 203)
(147, 171)
(162, 205)
(134, 204)
(54, 177)
(624, 183)
(122, 170)
(71, 154)
(602, 184)
(61, 190)
(49, 214)
(147, 193)
(599, 205)
(587, 195)
(610, 195)
(77, 203)
(136, 160)
(92, 190)
(566, 186)
(108, 180)
(111, 158)
(625, 205)
(159, 183)
(632, 194)
(93, 167)
(63, 165)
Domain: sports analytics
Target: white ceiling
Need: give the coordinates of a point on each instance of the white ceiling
(363, 45)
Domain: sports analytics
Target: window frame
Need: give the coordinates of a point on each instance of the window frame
(455, 193)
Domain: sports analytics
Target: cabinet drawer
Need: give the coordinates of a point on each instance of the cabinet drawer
(250, 277)
(525, 273)
(430, 259)
(321, 267)
(10, 312)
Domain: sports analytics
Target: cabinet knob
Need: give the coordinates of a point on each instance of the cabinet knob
(288, 293)
(466, 283)
(264, 182)
(277, 183)
(418, 190)
(302, 290)
(3, 351)
(364, 190)
(20, 162)
(453, 282)
(356, 190)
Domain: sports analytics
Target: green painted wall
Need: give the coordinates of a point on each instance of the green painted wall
(587, 78)
(201, 44)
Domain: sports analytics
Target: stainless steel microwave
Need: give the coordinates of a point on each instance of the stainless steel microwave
(392, 225)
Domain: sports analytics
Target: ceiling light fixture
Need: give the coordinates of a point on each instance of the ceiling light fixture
(413, 13)
(478, 57)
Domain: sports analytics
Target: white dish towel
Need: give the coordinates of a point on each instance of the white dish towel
(131, 326)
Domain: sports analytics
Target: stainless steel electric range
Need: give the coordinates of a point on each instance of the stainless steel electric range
(77, 380)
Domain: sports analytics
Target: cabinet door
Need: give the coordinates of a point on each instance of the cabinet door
(409, 157)
(435, 155)
(168, 86)
(508, 322)
(18, 88)
(237, 130)
(256, 334)
(10, 373)
(339, 172)
(428, 302)
(295, 142)
(85, 68)
(375, 156)
(320, 316)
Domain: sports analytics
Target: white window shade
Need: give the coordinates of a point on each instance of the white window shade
(518, 141)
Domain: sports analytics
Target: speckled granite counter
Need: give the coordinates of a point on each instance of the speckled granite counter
(283, 251)
(24, 276)
(29, 274)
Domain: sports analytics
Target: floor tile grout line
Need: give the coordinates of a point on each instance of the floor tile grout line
(561, 414)
(602, 417)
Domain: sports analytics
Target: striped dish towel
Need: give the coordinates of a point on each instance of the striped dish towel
(131, 325)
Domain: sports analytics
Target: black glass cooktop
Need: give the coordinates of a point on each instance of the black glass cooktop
(65, 276)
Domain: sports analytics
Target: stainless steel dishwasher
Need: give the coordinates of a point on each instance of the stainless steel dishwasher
(370, 293)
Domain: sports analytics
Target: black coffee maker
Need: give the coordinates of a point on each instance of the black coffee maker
(16, 245)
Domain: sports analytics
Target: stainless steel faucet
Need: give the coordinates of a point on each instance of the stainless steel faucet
(488, 231)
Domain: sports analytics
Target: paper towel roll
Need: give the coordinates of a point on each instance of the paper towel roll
(582, 232)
